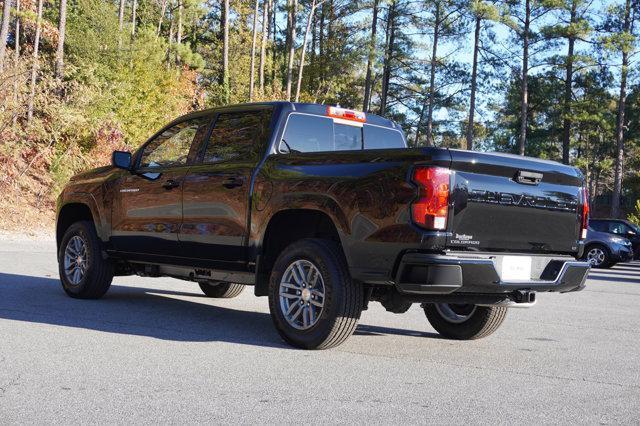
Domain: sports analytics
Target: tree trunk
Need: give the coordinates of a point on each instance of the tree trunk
(266, 5)
(163, 11)
(171, 30)
(524, 105)
(304, 48)
(372, 56)
(386, 72)
(120, 22)
(474, 78)
(16, 55)
(134, 10)
(287, 41)
(4, 30)
(420, 118)
(179, 33)
(253, 49)
(274, 48)
(432, 76)
(321, 45)
(568, 83)
(292, 50)
(62, 25)
(225, 50)
(622, 99)
(35, 64)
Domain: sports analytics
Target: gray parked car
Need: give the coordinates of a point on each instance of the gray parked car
(603, 250)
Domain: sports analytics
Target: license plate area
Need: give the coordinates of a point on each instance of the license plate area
(515, 268)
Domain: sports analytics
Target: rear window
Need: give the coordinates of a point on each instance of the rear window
(380, 137)
(598, 226)
(237, 135)
(312, 133)
(307, 133)
(347, 137)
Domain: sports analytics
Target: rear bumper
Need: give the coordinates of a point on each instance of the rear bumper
(428, 274)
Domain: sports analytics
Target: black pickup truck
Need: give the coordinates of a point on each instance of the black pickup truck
(324, 209)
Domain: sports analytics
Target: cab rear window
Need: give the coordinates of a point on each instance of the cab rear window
(376, 137)
(313, 133)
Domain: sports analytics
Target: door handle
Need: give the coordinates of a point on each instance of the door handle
(528, 178)
(170, 184)
(233, 182)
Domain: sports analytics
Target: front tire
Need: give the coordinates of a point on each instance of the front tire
(221, 290)
(464, 322)
(314, 303)
(598, 256)
(84, 273)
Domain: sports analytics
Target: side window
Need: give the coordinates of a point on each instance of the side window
(307, 133)
(347, 137)
(171, 147)
(237, 135)
(597, 226)
(617, 228)
(379, 138)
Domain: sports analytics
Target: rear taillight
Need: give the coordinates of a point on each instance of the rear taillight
(585, 214)
(431, 208)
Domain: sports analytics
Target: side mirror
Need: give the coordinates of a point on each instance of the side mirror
(121, 160)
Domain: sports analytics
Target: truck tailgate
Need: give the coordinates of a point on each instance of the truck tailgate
(509, 203)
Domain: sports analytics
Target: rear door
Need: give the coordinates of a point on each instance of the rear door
(147, 210)
(217, 189)
(511, 203)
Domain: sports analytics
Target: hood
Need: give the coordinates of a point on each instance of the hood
(92, 173)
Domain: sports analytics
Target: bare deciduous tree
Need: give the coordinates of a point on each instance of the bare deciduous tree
(4, 30)
(253, 49)
(35, 65)
(62, 29)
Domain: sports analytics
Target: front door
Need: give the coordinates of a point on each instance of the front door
(217, 189)
(147, 211)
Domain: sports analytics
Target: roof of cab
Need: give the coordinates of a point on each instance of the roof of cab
(316, 109)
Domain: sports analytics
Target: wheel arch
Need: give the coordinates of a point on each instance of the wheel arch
(283, 228)
(81, 207)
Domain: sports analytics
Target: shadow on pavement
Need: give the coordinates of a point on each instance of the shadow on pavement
(614, 278)
(147, 312)
(371, 330)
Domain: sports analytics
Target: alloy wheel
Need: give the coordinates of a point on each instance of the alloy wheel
(301, 294)
(596, 256)
(76, 261)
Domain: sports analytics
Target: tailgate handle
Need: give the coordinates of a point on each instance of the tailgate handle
(528, 178)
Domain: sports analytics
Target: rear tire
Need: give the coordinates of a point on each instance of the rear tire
(464, 322)
(84, 273)
(221, 290)
(314, 303)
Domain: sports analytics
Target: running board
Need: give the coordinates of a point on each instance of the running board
(195, 274)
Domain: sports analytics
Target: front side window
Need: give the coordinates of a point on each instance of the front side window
(171, 148)
(237, 135)
(618, 228)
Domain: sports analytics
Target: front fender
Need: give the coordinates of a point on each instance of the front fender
(88, 199)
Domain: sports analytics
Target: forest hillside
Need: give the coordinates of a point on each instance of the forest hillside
(555, 79)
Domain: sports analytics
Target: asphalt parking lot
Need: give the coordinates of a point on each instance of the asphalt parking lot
(156, 350)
